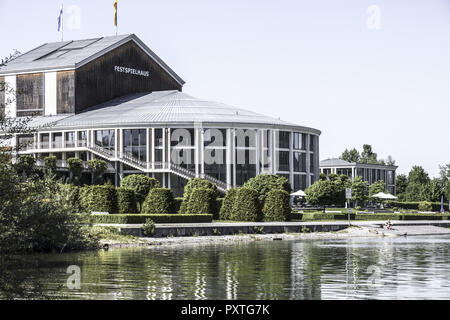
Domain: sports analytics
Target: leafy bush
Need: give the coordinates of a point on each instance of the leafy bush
(75, 166)
(425, 206)
(202, 201)
(328, 192)
(126, 200)
(436, 206)
(246, 206)
(264, 183)
(276, 207)
(141, 185)
(195, 183)
(72, 195)
(99, 199)
(159, 201)
(227, 206)
(98, 168)
(50, 163)
(25, 165)
(157, 218)
(148, 229)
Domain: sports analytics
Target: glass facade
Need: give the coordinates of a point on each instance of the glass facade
(105, 139)
(135, 143)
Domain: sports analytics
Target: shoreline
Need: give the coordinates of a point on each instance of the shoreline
(351, 232)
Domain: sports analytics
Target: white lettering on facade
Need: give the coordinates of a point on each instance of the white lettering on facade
(132, 71)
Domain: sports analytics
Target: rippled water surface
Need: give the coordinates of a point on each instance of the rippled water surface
(396, 268)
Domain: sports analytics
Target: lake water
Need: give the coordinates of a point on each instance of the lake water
(358, 268)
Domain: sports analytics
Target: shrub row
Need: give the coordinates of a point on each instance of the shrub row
(318, 216)
(435, 206)
(157, 218)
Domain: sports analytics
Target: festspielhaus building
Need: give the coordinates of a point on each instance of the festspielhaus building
(113, 98)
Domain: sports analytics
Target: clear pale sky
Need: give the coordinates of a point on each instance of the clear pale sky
(314, 63)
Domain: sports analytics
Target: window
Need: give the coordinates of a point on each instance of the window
(299, 182)
(284, 139)
(283, 161)
(70, 139)
(135, 143)
(105, 139)
(30, 94)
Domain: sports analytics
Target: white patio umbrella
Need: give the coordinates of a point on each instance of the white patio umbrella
(299, 193)
(384, 196)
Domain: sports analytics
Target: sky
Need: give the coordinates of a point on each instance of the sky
(363, 72)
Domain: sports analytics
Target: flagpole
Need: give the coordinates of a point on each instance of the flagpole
(62, 23)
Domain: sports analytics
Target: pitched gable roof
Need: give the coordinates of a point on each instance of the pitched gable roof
(74, 54)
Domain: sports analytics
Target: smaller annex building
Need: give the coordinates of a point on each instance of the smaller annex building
(369, 172)
(113, 98)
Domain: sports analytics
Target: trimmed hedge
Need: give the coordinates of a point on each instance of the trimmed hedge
(196, 183)
(246, 206)
(157, 218)
(202, 201)
(159, 201)
(126, 200)
(72, 194)
(227, 205)
(99, 199)
(276, 206)
(141, 185)
(318, 216)
(264, 183)
(435, 206)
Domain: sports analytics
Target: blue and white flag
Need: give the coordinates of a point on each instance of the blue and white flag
(60, 20)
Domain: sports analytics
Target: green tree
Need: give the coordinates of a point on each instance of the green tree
(50, 164)
(264, 183)
(377, 187)
(401, 184)
(329, 192)
(25, 165)
(141, 184)
(368, 156)
(75, 166)
(418, 185)
(277, 207)
(351, 155)
(159, 201)
(196, 183)
(359, 191)
(97, 167)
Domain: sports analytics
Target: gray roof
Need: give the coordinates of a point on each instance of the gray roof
(74, 54)
(335, 162)
(164, 107)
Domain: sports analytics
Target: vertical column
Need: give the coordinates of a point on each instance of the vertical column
(291, 158)
(196, 151)
(50, 140)
(202, 153)
(229, 157)
(274, 151)
(148, 147)
(233, 153)
(120, 149)
(257, 150)
(38, 140)
(308, 160)
(153, 148)
(116, 143)
(50, 108)
(169, 146)
(63, 142)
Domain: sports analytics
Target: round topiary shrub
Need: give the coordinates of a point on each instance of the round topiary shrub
(141, 185)
(276, 207)
(159, 201)
(264, 183)
(99, 199)
(126, 200)
(227, 206)
(202, 201)
(246, 206)
(196, 183)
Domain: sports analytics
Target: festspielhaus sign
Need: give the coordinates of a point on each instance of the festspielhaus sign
(132, 71)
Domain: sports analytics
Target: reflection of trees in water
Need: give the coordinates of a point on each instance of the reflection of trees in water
(22, 278)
